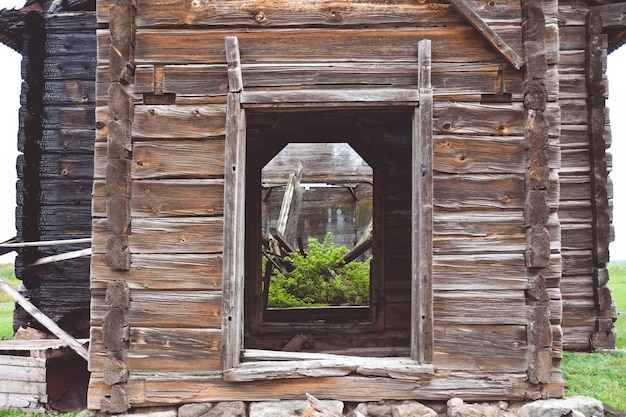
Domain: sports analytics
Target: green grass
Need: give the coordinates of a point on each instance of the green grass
(13, 412)
(7, 272)
(602, 375)
(617, 283)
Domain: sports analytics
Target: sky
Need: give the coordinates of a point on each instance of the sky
(10, 101)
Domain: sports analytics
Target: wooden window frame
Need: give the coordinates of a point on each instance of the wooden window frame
(239, 364)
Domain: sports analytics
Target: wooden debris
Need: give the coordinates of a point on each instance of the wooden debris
(45, 320)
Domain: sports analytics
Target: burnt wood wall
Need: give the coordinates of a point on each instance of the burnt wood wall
(55, 170)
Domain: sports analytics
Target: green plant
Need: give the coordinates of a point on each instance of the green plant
(321, 278)
(7, 305)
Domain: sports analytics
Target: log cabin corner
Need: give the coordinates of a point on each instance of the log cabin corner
(480, 135)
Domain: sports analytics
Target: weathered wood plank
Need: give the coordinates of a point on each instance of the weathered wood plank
(484, 348)
(186, 309)
(334, 97)
(482, 308)
(489, 34)
(281, 14)
(169, 198)
(166, 389)
(179, 121)
(184, 235)
(234, 232)
(341, 366)
(195, 46)
(156, 272)
(165, 350)
(178, 159)
(469, 78)
(12, 374)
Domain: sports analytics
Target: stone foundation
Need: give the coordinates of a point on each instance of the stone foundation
(455, 407)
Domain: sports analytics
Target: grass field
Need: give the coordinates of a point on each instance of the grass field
(7, 304)
(602, 375)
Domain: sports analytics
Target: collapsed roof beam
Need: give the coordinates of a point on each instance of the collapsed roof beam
(492, 37)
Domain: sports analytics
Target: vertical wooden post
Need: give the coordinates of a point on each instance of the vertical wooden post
(234, 213)
(536, 208)
(115, 327)
(422, 219)
(596, 46)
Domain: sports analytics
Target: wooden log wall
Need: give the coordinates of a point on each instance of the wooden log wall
(482, 284)
(586, 195)
(55, 170)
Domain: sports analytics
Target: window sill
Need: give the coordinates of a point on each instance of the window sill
(268, 365)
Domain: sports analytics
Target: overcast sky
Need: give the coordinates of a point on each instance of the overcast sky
(10, 100)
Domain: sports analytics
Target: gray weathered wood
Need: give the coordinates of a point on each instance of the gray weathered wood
(235, 79)
(492, 37)
(422, 200)
(234, 224)
(336, 97)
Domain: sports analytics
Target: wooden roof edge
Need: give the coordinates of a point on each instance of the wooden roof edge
(492, 37)
(613, 16)
(11, 22)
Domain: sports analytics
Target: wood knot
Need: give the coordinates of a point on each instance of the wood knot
(259, 17)
(446, 126)
(491, 3)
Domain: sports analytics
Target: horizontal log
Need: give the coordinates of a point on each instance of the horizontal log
(59, 191)
(156, 272)
(70, 92)
(480, 191)
(173, 388)
(73, 141)
(332, 97)
(68, 43)
(164, 350)
(178, 159)
(195, 46)
(482, 308)
(71, 21)
(474, 78)
(58, 166)
(168, 198)
(178, 121)
(185, 309)
(481, 348)
(487, 119)
(64, 117)
(167, 235)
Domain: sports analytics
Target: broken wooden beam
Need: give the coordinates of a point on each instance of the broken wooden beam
(74, 344)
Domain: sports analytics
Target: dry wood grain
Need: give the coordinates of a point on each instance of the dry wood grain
(184, 235)
(164, 350)
(174, 387)
(155, 272)
(195, 46)
(179, 121)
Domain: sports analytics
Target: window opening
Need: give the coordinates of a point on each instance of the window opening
(246, 136)
(343, 151)
(317, 234)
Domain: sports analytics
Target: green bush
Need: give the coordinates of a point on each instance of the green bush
(321, 278)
